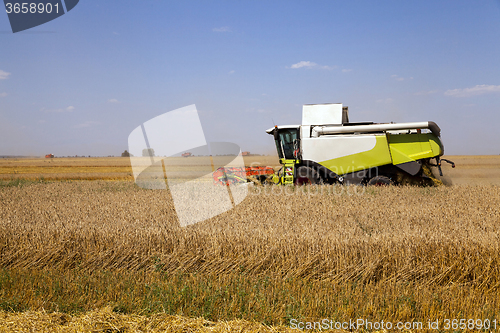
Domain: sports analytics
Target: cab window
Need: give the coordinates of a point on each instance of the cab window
(285, 145)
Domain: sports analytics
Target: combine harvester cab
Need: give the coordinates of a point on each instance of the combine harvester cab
(328, 149)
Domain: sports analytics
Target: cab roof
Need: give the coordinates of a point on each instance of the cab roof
(270, 131)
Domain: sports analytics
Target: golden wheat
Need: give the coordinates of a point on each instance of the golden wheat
(470, 170)
(106, 320)
(338, 235)
(395, 253)
(379, 243)
(105, 168)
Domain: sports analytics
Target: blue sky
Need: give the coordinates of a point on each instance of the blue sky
(80, 84)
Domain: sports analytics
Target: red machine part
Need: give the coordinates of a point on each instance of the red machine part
(230, 175)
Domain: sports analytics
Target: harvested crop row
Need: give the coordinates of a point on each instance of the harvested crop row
(105, 320)
(433, 235)
(395, 253)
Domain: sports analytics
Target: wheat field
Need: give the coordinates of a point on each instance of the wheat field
(97, 168)
(470, 170)
(110, 256)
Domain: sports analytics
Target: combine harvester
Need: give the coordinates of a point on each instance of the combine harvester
(328, 149)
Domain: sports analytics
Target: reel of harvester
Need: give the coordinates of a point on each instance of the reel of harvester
(239, 175)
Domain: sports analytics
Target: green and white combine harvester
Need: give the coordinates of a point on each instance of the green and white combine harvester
(328, 149)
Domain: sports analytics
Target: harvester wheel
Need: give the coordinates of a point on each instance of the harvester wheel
(307, 175)
(380, 181)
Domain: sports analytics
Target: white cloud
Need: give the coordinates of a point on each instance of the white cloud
(309, 64)
(3, 75)
(346, 70)
(222, 29)
(86, 124)
(480, 89)
(399, 78)
(68, 109)
(113, 100)
(231, 72)
(4, 94)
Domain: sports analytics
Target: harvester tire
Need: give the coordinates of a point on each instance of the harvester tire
(380, 181)
(307, 176)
